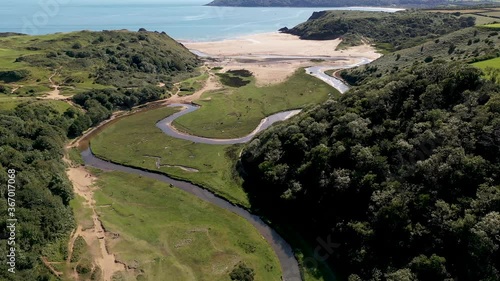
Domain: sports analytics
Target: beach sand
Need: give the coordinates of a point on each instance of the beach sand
(249, 52)
(276, 43)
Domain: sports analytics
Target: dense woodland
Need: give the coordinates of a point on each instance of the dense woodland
(334, 3)
(32, 139)
(389, 31)
(402, 172)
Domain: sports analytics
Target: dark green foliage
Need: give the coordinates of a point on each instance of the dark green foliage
(99, 105)
(393, 31)
(242, 273)
(232, 81)
(31, 141)
(79, 249)
(403, 172)
(84, 267)
(13, 76)
(241, 73)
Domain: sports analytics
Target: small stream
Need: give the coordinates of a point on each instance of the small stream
(319, 72)
(289, 265)
(288, 262)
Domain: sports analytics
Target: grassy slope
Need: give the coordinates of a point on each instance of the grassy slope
(9, 103)
(469, 45)
(167, 233)
(191, 85)
(104, 51)
(131, 139)
(235, 112)
(491, 68)
(390, 31)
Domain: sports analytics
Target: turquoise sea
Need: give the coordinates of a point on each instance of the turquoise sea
(183, 20)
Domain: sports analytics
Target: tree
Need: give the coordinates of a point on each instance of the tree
(242, 273)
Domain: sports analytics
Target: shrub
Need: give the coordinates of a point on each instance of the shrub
(242, 273)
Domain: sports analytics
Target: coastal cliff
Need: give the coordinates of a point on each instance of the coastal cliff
(391, 31)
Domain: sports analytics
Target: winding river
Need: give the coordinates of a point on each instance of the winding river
(166, 126)
(283, 250)
(289, 265)
(319, 72)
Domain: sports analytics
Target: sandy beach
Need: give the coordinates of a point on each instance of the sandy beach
(273, 57)
(276, 43)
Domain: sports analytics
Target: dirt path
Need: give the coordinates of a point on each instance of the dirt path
(211, 84)
(83, 185)
(50, 267)
(56, 93)
(16, 87)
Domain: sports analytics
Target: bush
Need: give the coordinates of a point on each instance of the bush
(242, 273)
(14, 76)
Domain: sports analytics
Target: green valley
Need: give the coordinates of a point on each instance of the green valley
(395, 180)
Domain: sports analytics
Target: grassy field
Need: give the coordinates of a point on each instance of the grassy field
(8, 102)
(135, 140)
(491, 68)
(493, 25)
(165, 233)
(235, 112)
(191, 85)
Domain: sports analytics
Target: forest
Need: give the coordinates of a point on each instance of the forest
(32, 139)
(401, 172)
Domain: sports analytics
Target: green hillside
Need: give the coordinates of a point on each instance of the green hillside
(469, 45)
(86, 60)
(389, 31)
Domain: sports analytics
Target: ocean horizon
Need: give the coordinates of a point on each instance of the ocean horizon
(187, 20)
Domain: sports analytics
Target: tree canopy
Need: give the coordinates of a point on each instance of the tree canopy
(403, 172)
(32, 138)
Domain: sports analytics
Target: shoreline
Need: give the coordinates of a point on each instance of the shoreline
(273, 56)
(277, 44)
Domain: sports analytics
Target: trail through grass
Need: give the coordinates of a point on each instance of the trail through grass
(165, 232)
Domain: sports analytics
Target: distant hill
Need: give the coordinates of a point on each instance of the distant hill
(334, 3)
(91, 60)
(468, 45)
(388, 31)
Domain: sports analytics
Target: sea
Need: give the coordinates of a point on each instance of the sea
(188, 20)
